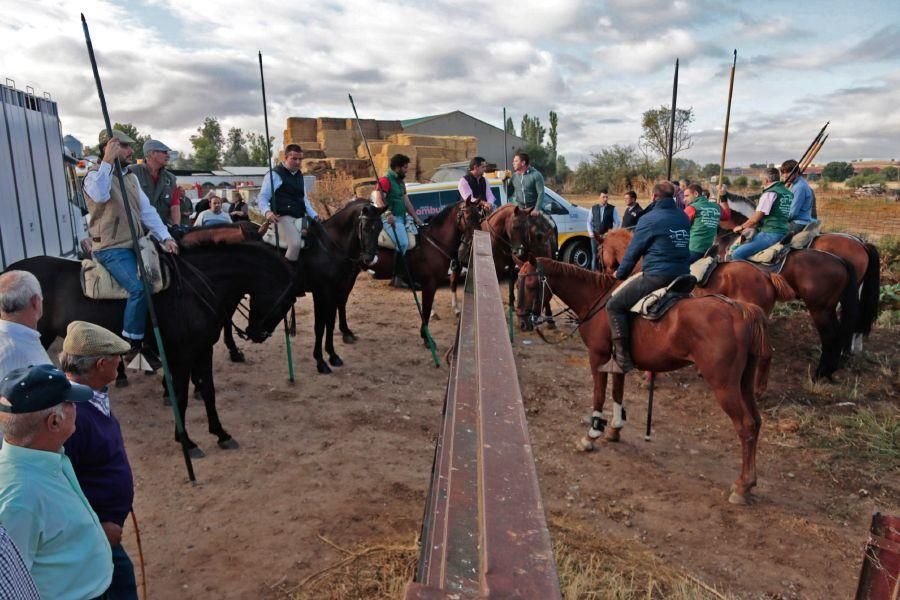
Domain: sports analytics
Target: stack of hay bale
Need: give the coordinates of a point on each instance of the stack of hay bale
(335, 145)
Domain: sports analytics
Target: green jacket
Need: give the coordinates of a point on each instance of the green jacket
(159, 193)
(527, 189)
(705, 225)
(394, 197)
(777, 219)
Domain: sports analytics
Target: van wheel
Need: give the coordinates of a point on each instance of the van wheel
(578, 254)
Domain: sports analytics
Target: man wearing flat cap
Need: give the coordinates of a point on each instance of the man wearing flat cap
(41, 502)
(110, 234)
(90, 356)
(159, 184)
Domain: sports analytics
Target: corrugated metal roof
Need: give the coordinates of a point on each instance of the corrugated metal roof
(246, 170)
(411, 122)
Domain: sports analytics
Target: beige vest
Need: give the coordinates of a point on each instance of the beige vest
(109, 223)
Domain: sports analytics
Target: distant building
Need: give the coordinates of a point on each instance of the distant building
(73, 146)
(490, 138)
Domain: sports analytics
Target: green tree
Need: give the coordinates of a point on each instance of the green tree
(510, 128)
(758, 165)
(256, 147)
(710, 170)
(532, 131)
(554, 132)
(236, 153)
(655, 126)
(132, 132)
(208, 145)
(837, 171)
(616, 167)
(563, 172)
(891, 173)
(741, 181)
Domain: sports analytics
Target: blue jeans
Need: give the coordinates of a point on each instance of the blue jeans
(593, 254)
(760, 242)
(695, 256)
(124, 584)
(401, 240)
(122, 265)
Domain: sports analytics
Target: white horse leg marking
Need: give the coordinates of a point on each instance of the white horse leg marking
(595, 433)
(857, 345)
(617, 421)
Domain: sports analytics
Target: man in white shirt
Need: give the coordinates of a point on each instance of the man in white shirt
(21, 307)
(602, 217)
(213, 215)
(110, 234)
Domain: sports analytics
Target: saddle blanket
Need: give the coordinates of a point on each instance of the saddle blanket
(98, 284)
(703, 268)
(269, 235)
(658, 302)
(385, 241)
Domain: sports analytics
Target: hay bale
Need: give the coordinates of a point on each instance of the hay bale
(386, 128)
(389, 150)
(376, 146)
(369, 127)
(431, 152)
(354, 167)
(330, 123)
(303, 129)
(409, 139)
(337, 143)
(427, 167)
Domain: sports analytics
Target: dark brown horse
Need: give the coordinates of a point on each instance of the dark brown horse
(430, 261)
(725, 339)
(861, 254)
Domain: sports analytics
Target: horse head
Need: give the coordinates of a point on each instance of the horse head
(271, 291)
(530, 284)
(471, 216)
(368, 227)
(529, 234)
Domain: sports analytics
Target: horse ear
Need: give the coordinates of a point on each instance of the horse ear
(516, 210)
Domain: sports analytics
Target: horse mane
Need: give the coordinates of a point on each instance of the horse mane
(438, 219)
(350, 204)
(615, 234)
(581, 276)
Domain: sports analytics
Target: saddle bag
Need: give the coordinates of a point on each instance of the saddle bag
(412, 232)
(98, 284)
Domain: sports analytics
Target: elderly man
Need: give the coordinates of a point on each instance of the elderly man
(772, 214)
(41, 503)
(90, 356)
(21, 307)
(159, 184)
(283, 200)
(112, 244)
(213, 215)
(601, 219)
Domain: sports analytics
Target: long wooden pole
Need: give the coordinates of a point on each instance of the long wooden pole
(287, 335)
(142, 271)
(672, 123)
(727, 119)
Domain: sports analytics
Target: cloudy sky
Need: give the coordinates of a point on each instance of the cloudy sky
(167, 64)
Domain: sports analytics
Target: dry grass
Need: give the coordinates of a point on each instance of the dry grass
(333, 191)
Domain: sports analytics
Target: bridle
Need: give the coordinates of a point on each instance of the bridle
(359, 228)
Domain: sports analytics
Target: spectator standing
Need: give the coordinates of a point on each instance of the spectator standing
(91, 356)
(21, 307)
(41, 502)
(602, 218)
(213, 215)
(632, 210)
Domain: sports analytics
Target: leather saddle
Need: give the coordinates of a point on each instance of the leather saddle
(98, 284)
(655, 304)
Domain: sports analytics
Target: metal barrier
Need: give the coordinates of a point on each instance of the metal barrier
(484, 533)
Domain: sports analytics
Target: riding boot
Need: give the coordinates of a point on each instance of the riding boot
(619, 328)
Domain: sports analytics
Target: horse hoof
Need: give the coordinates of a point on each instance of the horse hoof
(585, 444)
(335, 361)
(196, 452)
(739, 499)
(121, 382)
(612, 434)
(236, 356)
(229, 444)
(349, 338)
(322, 368)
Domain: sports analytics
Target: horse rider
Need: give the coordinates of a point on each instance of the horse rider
(661, 239)
(159, 184)
(111, 237)
(283, 200)
(602, 217)
(473, 188)
(771, 217)
(526, 188)
(392, 196)
(803, 206)
(704, 215)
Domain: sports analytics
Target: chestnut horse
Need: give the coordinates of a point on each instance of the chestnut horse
(819, 279)
(862, 255)
(724, 338)
(429, 262)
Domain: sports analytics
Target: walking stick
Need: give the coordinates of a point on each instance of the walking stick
(727, 121)
(412, 284)
(287, 337)
(652, 376)
(142, 271)
(672, 123)
(137, 535)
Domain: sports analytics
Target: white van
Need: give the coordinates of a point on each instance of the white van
(574, 244)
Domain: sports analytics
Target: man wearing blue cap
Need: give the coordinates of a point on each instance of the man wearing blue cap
(41, 504)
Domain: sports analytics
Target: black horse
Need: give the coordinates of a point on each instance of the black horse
(337, 248)
(207, 283)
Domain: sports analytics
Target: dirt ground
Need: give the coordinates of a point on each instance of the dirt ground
(346, 458)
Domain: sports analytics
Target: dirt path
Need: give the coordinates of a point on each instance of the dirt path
(348, 456)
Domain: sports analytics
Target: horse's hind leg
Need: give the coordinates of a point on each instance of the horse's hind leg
(826, 323)
(330, 315)
(746, 423)
(319, 328)
(234, 353)
(181, 381)
(202, 368)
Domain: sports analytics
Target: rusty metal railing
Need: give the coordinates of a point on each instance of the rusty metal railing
(484, 533)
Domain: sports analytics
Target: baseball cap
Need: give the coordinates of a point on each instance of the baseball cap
(120, 135)
(35, 388)
(155, 145)
(87, 339)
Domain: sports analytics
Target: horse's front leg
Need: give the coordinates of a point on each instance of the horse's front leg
(234, 353)
(618, 419)
(330, 312)
(346, 334)
(202, 370)
(454, 300)
(597, 422)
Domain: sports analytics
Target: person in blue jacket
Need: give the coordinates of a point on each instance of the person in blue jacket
(661, 238)
(803, 206)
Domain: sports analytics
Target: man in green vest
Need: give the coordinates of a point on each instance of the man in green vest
(771, 216)
(392, 194)
(158, 183)
(705, 216)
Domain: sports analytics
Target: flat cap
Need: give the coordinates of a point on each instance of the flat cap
(87, 339)
(155, 145)
(119, 135)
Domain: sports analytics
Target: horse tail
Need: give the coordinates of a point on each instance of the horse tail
(756, 373)
(849, 308)
(783, 290)
(871, 288)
